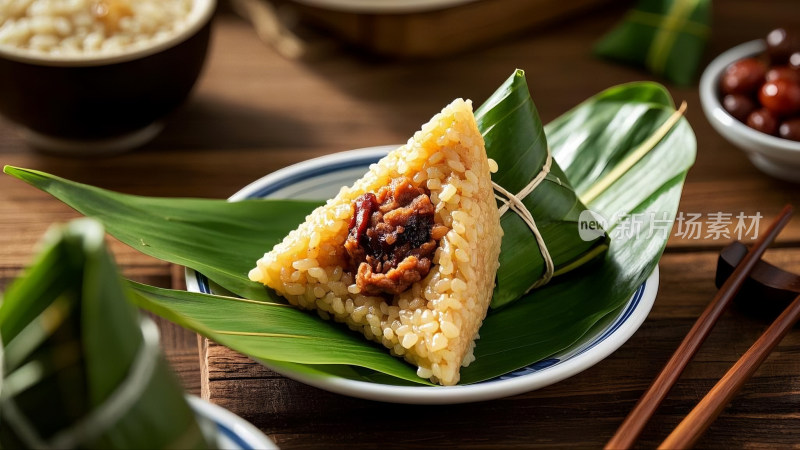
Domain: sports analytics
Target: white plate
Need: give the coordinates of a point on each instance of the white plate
(321, 178)
(232, 432)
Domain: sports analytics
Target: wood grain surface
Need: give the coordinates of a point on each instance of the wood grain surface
(254, 112)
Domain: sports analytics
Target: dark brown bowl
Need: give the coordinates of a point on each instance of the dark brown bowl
(100, 104)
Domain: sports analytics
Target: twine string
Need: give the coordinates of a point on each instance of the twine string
(514, 203)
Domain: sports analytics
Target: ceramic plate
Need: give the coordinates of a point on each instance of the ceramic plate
(321, 178)
(232, 432)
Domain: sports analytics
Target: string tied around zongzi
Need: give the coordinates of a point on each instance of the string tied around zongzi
(514, 203)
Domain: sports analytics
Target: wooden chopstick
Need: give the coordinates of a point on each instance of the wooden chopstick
(634, 423)
(693, 425)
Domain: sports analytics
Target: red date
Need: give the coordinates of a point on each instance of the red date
(739, 106)
(763, 91)
(780, 96)
(763, 120)
(743, 77)
(790, 129)
(783, 73)
(781, 43)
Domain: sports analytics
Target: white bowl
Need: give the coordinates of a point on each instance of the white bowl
(773, 155)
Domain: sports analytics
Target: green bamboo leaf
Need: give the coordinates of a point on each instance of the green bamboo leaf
(588, 142)
(219, 239)
(516, 140)
(592, 139)
(269, 330)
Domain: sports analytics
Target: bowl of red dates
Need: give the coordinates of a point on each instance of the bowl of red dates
(751, 96)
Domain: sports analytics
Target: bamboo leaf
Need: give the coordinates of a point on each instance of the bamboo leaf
(217, 238)
(594, 138)
(516, 140)
(269, 331)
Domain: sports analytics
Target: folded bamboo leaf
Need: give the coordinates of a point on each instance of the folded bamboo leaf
(515, 139)
(666, 37)
(79, 371)
(588, 142)
(552, 318)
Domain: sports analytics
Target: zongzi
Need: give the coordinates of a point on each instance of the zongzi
(408, 254)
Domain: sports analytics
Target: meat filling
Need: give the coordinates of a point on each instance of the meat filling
(392, 238)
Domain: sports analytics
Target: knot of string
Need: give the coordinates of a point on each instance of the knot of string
(514, 203)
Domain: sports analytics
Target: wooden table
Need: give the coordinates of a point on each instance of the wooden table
(254, 112)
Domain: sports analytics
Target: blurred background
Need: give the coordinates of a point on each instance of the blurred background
(286, 81)
(337, 82)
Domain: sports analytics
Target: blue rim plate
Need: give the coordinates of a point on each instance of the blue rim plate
(321, 178)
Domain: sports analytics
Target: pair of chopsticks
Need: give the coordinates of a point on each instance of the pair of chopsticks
(692, 427)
